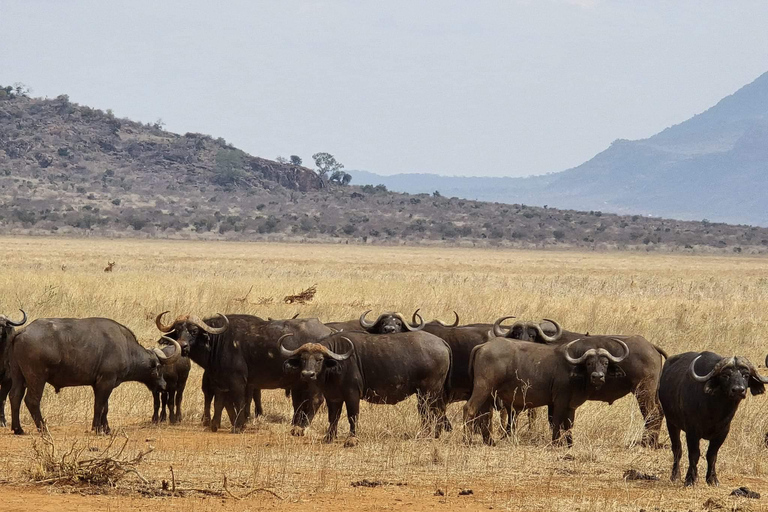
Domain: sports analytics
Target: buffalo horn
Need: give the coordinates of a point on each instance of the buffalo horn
(753, 370)
(550, 339)
(455, 322)
(613, 358)
(416, 316)
(408, 326)
(159, 323)
(365, 323)
(581, 359)
(345, 355)
(705, 378)
(284, 351)
(168, 359)
(8, 321)
(207, 328)
(498, 330)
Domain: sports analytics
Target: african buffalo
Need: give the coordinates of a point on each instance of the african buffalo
(639, 374)
(381, 369)
(387, 323)
(526, 375)
(7, 332)
(175, 376)
(700, 393)
(241, 356)
(64, 352)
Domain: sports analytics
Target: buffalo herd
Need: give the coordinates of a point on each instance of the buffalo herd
(490, 366)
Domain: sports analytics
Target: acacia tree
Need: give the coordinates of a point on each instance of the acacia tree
(295, 160)
(326, 164)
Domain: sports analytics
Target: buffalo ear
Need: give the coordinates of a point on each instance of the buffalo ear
(756, 387)
(710, 386)
(291, 365)
(331, 365)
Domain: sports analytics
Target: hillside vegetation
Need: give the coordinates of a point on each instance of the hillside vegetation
(68, 169)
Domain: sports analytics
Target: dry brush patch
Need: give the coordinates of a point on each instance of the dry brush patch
(678, 302)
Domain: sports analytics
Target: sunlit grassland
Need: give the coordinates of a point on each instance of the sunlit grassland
(679, 302)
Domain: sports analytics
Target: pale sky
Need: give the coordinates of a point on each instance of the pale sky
(486, 88)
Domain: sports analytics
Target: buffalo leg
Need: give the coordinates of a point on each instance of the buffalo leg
(257, 402)
(650, 408)
(164, 398)
(156, 406)
(100, 408)
(5, 388)
(305, 404)
(480, 400)
(714, 446)
(353, 412)
(208, 398)
(677, 450)
(562, 420)
(32, 401)
(693, 459)
(334, 413)
(218, 407)
(18, 388)
(177, 417)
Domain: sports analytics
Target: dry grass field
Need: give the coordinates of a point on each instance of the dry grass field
(680, 302)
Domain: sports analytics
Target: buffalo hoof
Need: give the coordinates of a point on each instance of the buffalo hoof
(18, 431)
(214, 428)
(328, 439)
(206, 421)
(297, 431)
(350, 442)
(713, 481)
(154, 420)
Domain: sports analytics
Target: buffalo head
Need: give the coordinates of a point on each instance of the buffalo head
(596, 361)
(189, 330)
(313, 359)
(389, 323)
(731, 375)
(161, 358)
(526, 331)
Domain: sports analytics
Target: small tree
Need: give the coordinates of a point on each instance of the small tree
(295, 160)
(326, 164)
(340, 178)
(281, 160)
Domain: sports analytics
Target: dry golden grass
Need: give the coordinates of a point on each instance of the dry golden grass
(680, 302)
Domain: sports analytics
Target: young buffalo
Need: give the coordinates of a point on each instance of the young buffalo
(699, 394)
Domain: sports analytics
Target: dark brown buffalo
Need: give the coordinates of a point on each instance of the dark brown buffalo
(241, 356)
(7, 332)
(700, 393)
(525, 375)
(64, 352)
(175, 376)
(381, 369)
(387, 323)
(638, 374)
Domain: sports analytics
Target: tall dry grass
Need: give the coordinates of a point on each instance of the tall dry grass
(680, 302)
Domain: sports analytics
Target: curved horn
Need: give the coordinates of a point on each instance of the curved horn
(294, 317)
(168, 359)
(579, 360)
(700, 378)
(766, 360)
(345, 355)
(8, 321)
(498, 330)
(613, 358)
(365, 323)
(455, 322)
(752, 370)
(284, 351)
(549, 339)
(415, 316)
(211, 330)
(408, 326)
(159, 323)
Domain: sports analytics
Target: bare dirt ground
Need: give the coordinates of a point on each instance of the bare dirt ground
(679, 302)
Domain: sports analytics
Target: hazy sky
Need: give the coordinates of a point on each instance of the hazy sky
(502, 88)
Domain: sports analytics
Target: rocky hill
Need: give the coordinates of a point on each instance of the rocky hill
(713, 166)
(67, 169)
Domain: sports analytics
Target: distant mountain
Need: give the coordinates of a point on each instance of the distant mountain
(713, 166)
(72, 170)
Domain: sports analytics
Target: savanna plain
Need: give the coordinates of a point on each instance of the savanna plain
(679, 302)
